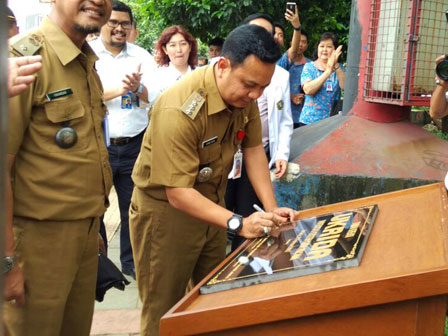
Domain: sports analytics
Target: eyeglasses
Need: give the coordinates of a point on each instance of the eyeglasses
(123, 24)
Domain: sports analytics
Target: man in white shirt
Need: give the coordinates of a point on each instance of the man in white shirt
(277, 127)
(124, 69)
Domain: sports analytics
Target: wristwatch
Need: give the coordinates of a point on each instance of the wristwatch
(140, 89)
(299, 28)
(234, 225)
(9, 263)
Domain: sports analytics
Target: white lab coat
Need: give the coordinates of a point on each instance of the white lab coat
(277, 99)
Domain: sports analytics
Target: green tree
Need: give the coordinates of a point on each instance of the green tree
(208, 18)
(149, 28)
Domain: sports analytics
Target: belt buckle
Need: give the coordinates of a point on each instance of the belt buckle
(120, 141)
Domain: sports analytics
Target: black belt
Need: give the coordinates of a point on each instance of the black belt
(125, 140)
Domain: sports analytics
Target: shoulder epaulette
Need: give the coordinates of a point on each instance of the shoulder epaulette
(194, 103)
(27, 45)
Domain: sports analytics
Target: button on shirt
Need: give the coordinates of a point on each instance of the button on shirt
(112, 70)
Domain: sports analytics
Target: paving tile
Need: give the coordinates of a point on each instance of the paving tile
(113, 253)
(116, 299)
(116, 322)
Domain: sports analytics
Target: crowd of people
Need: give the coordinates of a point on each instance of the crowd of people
(187, 146)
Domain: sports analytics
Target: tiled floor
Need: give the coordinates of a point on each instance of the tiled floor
(119, 313)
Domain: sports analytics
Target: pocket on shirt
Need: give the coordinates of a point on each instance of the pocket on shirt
(66, 112)
(209, 154)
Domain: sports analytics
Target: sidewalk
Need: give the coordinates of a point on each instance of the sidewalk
(119, 313)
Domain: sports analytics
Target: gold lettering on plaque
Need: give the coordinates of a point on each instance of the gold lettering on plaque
(329, 237)
(297, 254)
(351, 233)
(317, 254)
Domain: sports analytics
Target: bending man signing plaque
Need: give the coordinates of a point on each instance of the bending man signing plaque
(199, 128)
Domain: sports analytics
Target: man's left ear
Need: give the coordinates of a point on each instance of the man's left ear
(223, 64)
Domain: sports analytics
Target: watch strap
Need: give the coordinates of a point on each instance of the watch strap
(140, 89)
(9, 263)
(232, 233)
(299, 28)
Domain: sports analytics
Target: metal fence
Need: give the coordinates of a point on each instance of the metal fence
(405, 36)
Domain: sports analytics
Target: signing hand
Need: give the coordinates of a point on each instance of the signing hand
(289, 215)
(254, 225)
(21, 73)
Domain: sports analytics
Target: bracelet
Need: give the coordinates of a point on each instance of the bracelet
(299, 28)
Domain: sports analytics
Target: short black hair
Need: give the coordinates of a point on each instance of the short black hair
(304, 33)
(11, 17)
(279, 25)
(119, 6)
(329, 36)
(324, 37)
(217, 41)
(247, 40)
(255, 16)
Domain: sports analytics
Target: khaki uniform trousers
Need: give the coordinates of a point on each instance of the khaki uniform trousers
(170, 248)
(60, 263)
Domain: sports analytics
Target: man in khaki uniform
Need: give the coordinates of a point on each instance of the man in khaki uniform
(177, 213)
(60, 177)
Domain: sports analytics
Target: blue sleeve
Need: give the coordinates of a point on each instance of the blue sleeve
(284, 62)
(307, 73)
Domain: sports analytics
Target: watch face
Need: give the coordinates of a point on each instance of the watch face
(234, 223)
(8, 263)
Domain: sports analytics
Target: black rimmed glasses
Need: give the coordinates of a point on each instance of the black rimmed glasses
(123, 24)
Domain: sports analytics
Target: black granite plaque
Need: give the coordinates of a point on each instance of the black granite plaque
(312, 245)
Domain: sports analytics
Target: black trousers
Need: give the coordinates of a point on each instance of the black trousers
(240, 198)
(122, 159)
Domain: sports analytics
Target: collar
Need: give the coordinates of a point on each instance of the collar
(319, 65)
(129, 49)
(215, 103)
(62, 45)
(173, 69)
(302, 60)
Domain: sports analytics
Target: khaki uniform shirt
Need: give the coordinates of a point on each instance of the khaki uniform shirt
(177, 146)
(49, 182)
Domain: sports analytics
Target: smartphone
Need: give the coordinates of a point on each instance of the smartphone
(291, 6)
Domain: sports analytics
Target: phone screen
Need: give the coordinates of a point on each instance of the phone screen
(291, 6)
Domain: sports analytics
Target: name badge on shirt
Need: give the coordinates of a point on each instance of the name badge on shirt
(329, 86)
(126, 101)
(209, 141)
(59, 94)
(237, 164)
